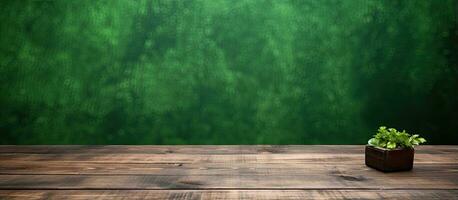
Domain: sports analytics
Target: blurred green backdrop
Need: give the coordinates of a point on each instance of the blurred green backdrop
(227, 71)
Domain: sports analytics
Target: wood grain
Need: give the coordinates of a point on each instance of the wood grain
(230, 194)
(222, 172)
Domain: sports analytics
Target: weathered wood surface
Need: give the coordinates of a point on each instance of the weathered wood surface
(220, 172)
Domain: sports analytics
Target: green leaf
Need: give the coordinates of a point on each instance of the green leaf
(421, 140)
(391, 138)
(391, 145)
(373, 141)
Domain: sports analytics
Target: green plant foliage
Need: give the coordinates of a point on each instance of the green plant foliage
(226, 71)
(391, 138)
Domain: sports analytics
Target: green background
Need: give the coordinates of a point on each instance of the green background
(227, 71)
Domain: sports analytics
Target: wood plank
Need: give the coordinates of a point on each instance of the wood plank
(212, 169)
(238, 158)
(348, 154)
(184, 158)
(310, 181)
(228, 194)
(208, 149)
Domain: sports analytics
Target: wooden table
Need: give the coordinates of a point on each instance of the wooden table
(220, 172)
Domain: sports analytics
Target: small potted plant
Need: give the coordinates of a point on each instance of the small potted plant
(390, 150)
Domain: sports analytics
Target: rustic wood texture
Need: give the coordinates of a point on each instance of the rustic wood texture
(220, 172)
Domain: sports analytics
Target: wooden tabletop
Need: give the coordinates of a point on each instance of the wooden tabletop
(220, 172)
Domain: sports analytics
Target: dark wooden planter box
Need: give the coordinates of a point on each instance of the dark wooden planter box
(387, 160)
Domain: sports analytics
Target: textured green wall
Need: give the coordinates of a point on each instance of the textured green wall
(227, 71)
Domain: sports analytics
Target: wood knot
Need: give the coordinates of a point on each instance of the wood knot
(352, 178)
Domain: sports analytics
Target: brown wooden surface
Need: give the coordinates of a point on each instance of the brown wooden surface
(220, 172)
